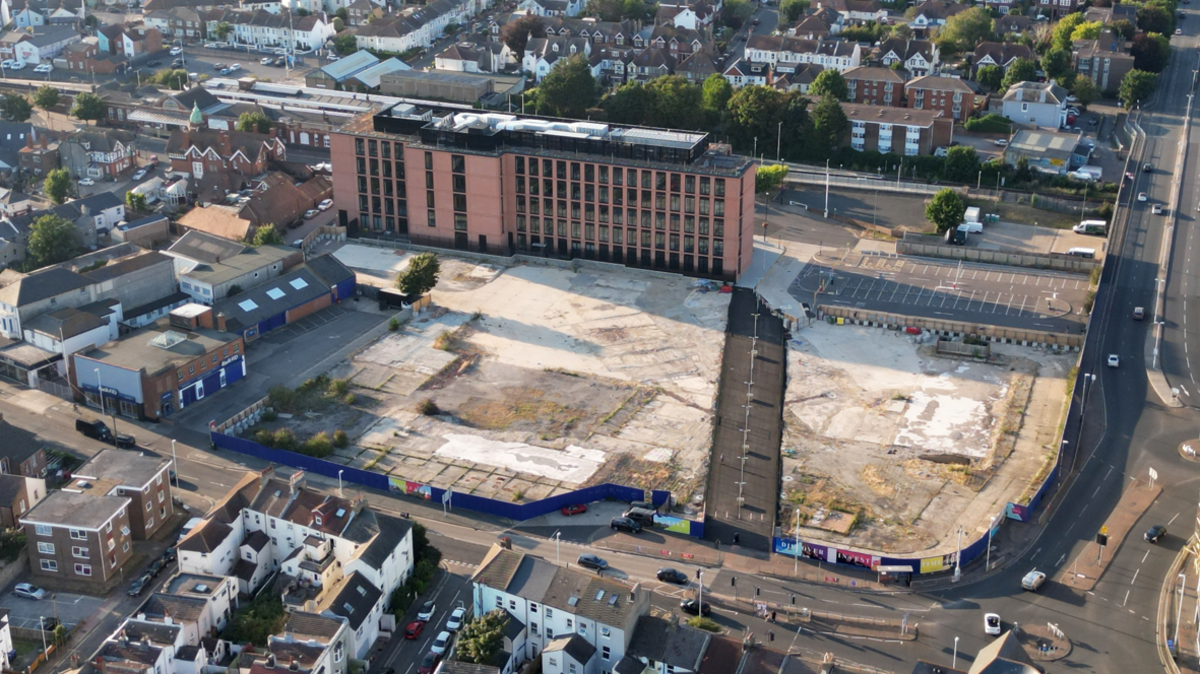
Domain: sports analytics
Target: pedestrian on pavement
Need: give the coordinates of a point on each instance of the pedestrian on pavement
(737, 536)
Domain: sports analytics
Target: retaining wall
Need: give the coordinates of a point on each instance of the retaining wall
(947, 328)
(1053, 261)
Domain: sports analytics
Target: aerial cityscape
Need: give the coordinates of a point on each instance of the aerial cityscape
(598, 337)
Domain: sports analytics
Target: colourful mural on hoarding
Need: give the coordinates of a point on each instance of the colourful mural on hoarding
(410, 488)
(676, 524)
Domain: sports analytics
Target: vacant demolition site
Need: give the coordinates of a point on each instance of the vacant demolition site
(889, 446)
(524, 381)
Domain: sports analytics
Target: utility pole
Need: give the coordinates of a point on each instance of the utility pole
(826, 188)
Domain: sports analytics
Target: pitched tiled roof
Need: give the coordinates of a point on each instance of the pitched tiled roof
(41, 284)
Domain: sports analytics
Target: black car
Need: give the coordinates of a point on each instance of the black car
(177, 63)
(625, 524)
(169, 555)
(1155, 533)
(155, 567)
(154, 63)
(1148, 168)
(669, 575)
(589, 561)
(694, 608)
(139, 585)
(48, 624)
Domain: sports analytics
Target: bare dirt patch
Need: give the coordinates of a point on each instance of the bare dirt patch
(889, 446)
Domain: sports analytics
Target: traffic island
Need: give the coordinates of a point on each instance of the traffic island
(1043, 643)
(1093, 560)
(1189, 449)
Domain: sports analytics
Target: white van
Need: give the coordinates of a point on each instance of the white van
(1082, 252)
(1091, 227)
(971, 226)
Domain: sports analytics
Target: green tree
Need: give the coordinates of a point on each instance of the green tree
(339, 24)
(796, 125)
(735, 13)
(222, 30)
(945, 210)
(1085, 91)
(902, 31)
(15, 108)
(962, 164)
(631, 104)
(677, 103)
(1137, 85)
(792, 10)
(47, 97)
(767, 179)
(605, 10)
(716, 93)
(1060, 37)
(829, 126)
(1021, 70)
(253, 122)
(1124, 28)
(420, 277)
(754, 112)
(52, 239)
(302, 12)
(135, 202)
(1056, 62)
(174, 79)
(1150, 52)
(267, 235)
(1153, 17)
(481, 638)
(1088, 30)
(87, 107)
(342, 13)
(345, 44)
(58, 185)
(829, 82)
(991, 77)
(569, 89)
(965, 30)
(257, 620)
(516, 34)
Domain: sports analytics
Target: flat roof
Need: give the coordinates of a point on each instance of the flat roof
(214, 273)
(127, 469)
(1034, 141)
(80, 511)
(158, 347)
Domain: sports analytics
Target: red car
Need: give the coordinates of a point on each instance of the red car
(428, 663)
(414, 629)
(577, 509)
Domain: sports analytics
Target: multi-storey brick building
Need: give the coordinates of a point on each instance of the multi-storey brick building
(144, 480)
(78, 537)
(875, 86)
(455, 177)
(897, 130)
(951, 95)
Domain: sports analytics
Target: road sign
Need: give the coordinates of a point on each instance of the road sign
(1153, 474)
(1104, 530)
(1102, 539)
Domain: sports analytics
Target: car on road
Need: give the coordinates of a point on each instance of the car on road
(673, 576)
(155, 567)
(693, 607)
(1142, 196)
(139, 585)
(29, 591)
(589, 561)
(413, 629)
(170, 554)
(311, 213)
(7, 64)
(266, 60)
(176, 51)
(332, 57)
(1147, 168)
(625, 524)
(428, 663)
(219, 66)
(1114, 360)
(455, 621)
(177, 63)
(441, 643)
(1179, 31)
(44, 68)
(1139, 313)
(427, 611)
(1155, 533)
(1033, 580)
(1129, 175)
(153, 63)
(1001, 142)
(991, 624)
(235, 67)
(1156, 209)
(574, 509)
(139, 174)
(328, 204)
(281, 61)
(87, 182)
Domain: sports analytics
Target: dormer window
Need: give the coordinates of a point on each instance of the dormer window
(317, 519)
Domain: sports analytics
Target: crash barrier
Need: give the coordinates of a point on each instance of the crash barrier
(945, 328)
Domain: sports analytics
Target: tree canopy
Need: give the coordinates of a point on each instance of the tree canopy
(421, 275)
(47, 97)
(254, 122)
(945, 210)
(791, 10)
(962, 164)
(1021, 70)
(569, 88)
(15, 108)
(829, 82)
(991, 77)
(1088, 30)
(616, 10)
(735, 13)
(345, 44)
(829, 126)
(1056, 62)
(768, 178)
(222, 30)
(87, 107)
(267, 235)
(1060, 38)
(516, 34)
(482, 637)
(966, 29)
(1155, 17)
(716, 93)
(52, 239)
(58, 185)
(135, 202)
(1137, 85)
(1151, 52)
(1085, 91)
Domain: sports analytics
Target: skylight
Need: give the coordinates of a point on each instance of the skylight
(275, 293)
(298, 283)
(247, 305)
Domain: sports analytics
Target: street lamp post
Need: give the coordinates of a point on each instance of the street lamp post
(987, 564)
(340, 482)
(175, 463)
(954, 663)
(42, 625)
(779, 143)
(826, 188)
(700, 586)
(958, 558)
(557, 542)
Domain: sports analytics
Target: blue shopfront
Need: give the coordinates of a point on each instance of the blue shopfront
(194, 390)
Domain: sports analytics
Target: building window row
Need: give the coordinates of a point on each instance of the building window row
(649, 179)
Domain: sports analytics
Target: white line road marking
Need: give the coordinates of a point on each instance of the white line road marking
(1135, 574)
(1126, 598)
(1145, 556)
(1172, 519)
(1097, 492)
(1060, 559)
(1110, 470)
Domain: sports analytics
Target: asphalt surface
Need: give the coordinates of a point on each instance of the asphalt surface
(985, 294)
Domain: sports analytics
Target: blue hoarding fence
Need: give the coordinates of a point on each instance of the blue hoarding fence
(453, 499)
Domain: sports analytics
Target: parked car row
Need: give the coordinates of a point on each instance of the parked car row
(441, 644)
